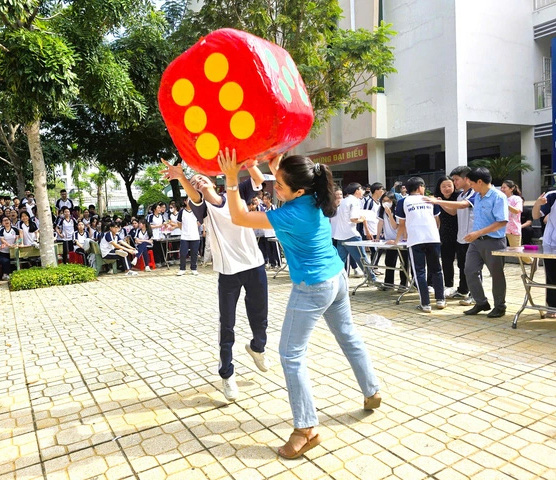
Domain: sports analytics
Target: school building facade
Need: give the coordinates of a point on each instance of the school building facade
(473, 80)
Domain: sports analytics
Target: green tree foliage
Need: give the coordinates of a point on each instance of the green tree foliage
(338, 66)
(504, 168)
(53, 55)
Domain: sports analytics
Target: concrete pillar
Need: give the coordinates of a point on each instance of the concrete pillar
(455, 135)
(531, 148)
(376, 163)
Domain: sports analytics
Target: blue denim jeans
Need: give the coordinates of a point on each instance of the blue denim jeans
(355, 254)
(306, 305)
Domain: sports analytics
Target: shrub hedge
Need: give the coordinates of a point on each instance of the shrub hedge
(38, 277)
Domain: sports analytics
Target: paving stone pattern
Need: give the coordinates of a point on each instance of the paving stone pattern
(118, 379)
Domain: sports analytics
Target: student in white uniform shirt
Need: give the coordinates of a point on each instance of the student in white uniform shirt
(143, 241)
(418, 222)
(190, 239)
(9, 237)
(112, 250)
(81, 241)
(156, 220)
(349, 214)
(65, 228)
(239, 263)
(29, 229)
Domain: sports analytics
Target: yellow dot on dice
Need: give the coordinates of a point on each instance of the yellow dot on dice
(183, 92)
(207, 146)
(195, 119)
(242, 125)
(231, 96)
(216, 67)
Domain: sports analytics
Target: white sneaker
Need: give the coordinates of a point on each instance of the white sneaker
(131, 273)
(134, 261)
(357, 273)
(431, 290)
(194, 273)
(229, 386)
(121, 253)
(180, 273)
(147, 269)
(259, 358)
(441, 304)
(450, 292)
(5, 277)
(467, 301)
(424, 308)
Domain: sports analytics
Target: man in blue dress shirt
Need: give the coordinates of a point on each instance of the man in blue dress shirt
(490, 210)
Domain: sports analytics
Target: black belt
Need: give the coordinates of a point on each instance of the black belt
(487, 237)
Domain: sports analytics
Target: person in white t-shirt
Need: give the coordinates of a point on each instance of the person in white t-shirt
(112, 250)
(419, 221)
(156, 220)
(348, 215)
(239, 263)
(190, 239)
(9, 237)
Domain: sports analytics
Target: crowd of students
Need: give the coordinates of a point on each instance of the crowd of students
(464, 220)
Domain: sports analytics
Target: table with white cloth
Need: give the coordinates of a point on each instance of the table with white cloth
(383, 245)
(528, 277)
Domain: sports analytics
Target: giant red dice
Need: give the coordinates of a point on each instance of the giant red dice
(233, 89)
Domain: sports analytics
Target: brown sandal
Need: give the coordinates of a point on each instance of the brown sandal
(372, 402)
(309, 443)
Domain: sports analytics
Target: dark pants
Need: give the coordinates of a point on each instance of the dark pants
(390, 260)
(67, 246)
(256, 304)
(448, 255)
(5, 263)
(461, 251)
(426, 256)
(273, 253)
(143, 250)
(158, 252)
(550, 269)
(112, 256)
(81, 252)
(263, 247)
(479, 254)
(191, 246)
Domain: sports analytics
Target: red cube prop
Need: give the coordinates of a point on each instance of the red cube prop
(233, 89)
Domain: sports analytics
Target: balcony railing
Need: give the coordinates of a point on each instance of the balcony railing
(538, 4)
(543, 94)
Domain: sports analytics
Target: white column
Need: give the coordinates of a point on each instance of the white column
(530, 147)
(455, 135)
(376, 163)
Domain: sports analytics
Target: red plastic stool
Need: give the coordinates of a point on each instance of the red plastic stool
(74, 257)
(141, 264)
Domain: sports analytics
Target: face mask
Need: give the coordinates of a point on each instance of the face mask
(387, 205)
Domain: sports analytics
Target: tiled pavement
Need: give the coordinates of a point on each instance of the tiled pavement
(117, 379)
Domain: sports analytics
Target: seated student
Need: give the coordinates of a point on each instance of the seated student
(81, 241)
(9, 237)
(94, 229)
(132, 232)
(387, 223)
(111, 249)
(65, 228)
(142, 239)
(190, 239)
(29, 229)
(418, 220)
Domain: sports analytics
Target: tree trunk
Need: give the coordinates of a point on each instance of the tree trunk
(100, 206)
(48, 257)
(134, 205)
(20, 179)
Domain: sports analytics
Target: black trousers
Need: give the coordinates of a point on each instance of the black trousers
(254, 281)
(550, 269)
(461, 251)
(448, 255)
(67, 246)
(390, 260)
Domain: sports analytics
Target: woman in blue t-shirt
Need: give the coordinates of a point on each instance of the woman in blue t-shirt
(320, 285)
